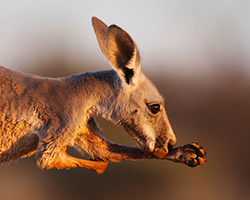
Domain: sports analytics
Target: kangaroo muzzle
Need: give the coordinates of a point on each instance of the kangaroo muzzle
(162, 147)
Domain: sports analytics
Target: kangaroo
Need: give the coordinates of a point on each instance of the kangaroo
(46, 115)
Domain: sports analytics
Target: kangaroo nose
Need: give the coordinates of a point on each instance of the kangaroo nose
(161, 152)
(172, 141)
(171, 144)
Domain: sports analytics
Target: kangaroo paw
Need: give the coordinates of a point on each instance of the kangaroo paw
(191, 154)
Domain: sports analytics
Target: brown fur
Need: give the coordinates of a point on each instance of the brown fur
(45, 115)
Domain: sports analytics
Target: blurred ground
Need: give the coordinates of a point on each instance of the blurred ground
(196, 53)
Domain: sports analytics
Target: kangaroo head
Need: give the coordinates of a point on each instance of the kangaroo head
(138, 107)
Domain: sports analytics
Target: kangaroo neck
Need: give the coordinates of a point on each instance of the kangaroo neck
(100, 89)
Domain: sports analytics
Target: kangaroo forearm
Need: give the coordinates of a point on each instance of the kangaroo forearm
(119, 152)
(190, 154)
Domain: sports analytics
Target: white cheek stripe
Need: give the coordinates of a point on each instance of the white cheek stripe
(150, 133)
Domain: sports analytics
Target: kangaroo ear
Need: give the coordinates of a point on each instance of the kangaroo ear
(123, 54)
(119, 48)
(101, 31)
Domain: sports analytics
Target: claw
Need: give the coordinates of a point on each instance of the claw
(202, 161)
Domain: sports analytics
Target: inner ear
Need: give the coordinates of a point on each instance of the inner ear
(123, 54)
(128, 74)
(125, 47)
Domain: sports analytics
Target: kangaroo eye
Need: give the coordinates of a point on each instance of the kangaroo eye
(154, 108)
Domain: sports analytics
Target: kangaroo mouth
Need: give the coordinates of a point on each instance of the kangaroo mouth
(151, 146)
(126, 135)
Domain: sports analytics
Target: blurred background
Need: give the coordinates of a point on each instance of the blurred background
(196, 53)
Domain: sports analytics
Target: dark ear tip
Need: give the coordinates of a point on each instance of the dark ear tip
(113, 26)
(116, 29)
